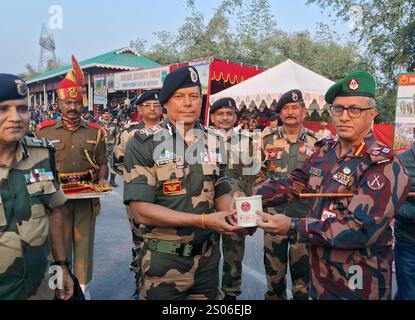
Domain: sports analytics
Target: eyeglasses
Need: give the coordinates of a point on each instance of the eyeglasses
(148, 105)
(353, 112)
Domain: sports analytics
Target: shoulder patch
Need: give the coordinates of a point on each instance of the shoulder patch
(39, 143)
(380, 153)
(45, 124)
(271, 130)
(326, 140)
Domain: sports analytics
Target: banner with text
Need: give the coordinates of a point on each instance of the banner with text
(140, 80)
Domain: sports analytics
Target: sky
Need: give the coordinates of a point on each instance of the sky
(93, 27)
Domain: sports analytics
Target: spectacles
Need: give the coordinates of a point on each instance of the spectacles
(147, 105)
(353, 112)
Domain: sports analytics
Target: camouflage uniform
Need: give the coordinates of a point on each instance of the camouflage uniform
(176, 263)
(350, 233)
(79, 151)
(28, 193)
(136, 230)
(281, 158)
(111, 133)
(233, 247)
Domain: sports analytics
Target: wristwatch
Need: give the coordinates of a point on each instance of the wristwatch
(61, 263)
(292, 233)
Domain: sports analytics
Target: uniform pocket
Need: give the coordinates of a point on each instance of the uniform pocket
(3, 220)
(36, 191)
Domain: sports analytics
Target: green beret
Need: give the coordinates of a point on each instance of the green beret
(357, 83)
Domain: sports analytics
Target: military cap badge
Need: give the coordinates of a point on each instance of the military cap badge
(294, 96)
(193, 75)
(21, 87)
(353, 84)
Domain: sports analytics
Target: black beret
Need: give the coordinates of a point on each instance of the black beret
(12, 87)
(223, 103)
(291, 96)
(185, 77)
(148, 95)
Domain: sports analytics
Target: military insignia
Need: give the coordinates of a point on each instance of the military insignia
(347, 171)
(302, 150)
(36, 140)
(294, 96)
(360, 149)
(72, 93)
(375, 153)
(376, 181)
(172, 187)
(353, 84)
(309, 151)
(156, 96)
(165, 161)
(38, 175)
(21, 87)
(386, 150)
(341, 178)
(316, 171)
(193, 75)
(327, 214)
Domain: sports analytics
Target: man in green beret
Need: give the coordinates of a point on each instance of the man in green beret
(348, 233)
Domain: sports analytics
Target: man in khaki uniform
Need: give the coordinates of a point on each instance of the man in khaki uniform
(285, 148)
(149, 108)
(32, 215)
(80, 156)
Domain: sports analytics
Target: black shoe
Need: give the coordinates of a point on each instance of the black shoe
(229, 297)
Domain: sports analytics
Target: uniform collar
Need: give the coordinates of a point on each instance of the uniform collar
(358, 150)
(301, 136)
(59, 123)
(22, 151)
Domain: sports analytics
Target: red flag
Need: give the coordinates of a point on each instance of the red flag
(77, 71)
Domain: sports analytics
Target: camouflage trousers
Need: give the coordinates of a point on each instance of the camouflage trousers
(277, 254)
(233, 248)
(80, 238)
(109, 151)
(137, 238)
(170, 277)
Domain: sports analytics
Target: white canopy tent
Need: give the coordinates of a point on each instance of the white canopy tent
(269, 85)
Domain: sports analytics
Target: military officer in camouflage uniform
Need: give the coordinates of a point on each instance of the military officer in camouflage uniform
(32, 217)
(111, 134)
(223, 116)
(348, 232)
(172, 187)
(285, 148)
(80, 156)
(149, 109)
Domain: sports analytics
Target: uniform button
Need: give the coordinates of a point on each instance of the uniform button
(73, 163)
(73, 147)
